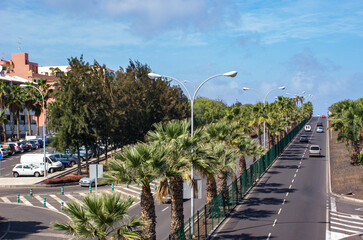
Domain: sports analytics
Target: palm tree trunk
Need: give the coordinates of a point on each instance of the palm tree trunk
(148, 213)
(176, 191)
(37, 125)
(242, 164)
(17, 128)
(222, 183)
(29, 124)
(4, 131)
(211, 188)
(355, 152)
(12, 126)
(259, 135)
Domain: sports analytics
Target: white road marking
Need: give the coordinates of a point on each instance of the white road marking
(284, 201)
(297, 170)
(344, 229)
(333, 204)
(295, 175)
(287, 194)
(274, 223)
(279, 212)
(293, 180)
(83, 194)
(73, 198)
(347, 221)
(6, 200)
(58, 199)
(48, 205)
(25, 201)
(164, 209)
(268, 237)
(290, 186)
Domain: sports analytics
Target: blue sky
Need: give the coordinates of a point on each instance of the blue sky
(310, 45)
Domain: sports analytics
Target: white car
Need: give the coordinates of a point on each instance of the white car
(27, 170)
(307, 128)
(314, 150)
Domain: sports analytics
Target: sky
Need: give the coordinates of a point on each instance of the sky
(310, 45)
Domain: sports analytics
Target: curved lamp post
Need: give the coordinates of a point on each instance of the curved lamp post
(191, 99)
(264, 104)
(44, 159)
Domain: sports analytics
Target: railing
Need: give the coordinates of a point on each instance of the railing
(208, 218)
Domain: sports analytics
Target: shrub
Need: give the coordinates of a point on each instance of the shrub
(65, 179)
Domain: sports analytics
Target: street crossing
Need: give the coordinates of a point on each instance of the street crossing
(343, 225)
(54, 201)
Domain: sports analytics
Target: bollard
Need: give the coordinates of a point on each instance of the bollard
(129, 196)
(127, 185)
(62, 191)
(17, 198)
(90, 189)
(31, 192)
(138, 184)
(44, 200)
(155, 187)
(112, 186)
(140, 193)
(62, 206)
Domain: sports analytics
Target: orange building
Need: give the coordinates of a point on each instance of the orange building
(20, 70)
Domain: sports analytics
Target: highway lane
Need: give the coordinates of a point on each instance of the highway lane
(289, 202)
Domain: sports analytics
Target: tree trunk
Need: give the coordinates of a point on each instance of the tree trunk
(87, 169)
(4, 131)
(17, 128)
(259, 135)
(148, 213)
(29, 123)
(176, 191)
(222, 183)
(79, 161)
(37, 125)
(211, 188)
(355, 152)
(242, 165)
(12, 125)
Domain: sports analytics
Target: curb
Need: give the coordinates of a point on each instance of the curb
(340, 196)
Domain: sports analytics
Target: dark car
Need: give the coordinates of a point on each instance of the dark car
(33, 144)
(303, 138)
(65, 163)
(26, 146)
(69, 161)
(319, 124)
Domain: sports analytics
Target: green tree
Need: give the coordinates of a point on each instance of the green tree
(101, 217)
(15, 104)
(208, 111)
(141, 163)
(3, 121)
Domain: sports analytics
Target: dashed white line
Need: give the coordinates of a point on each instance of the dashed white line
(279, 211)
(268, 237)
(273, 225)
(293, 180)
(297, 170)
(284, 201)
(287, 194)
(290, 186)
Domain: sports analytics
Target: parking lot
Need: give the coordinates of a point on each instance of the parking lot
(8, 162)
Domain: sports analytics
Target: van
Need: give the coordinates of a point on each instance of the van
(38, 160)
(307, 128)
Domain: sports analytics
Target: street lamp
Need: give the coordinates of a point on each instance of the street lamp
(191, 99)
(264, 104)
(45, 162)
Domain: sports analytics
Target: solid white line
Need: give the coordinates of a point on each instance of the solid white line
(333, 204)
(274, 223)
(25, 201)
(279, 212)
(6, 200)
(164, 209)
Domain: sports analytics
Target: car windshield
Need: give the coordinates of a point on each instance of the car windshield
(315, 148)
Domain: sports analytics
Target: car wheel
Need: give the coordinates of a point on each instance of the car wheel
(93, 184)
(36, 174)
(63, 167)
(51, 170)
(15, 174)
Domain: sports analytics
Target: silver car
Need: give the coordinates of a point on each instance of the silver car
(314, 151)
(4, 152)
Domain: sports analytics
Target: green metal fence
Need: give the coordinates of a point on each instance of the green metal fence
(208, 218)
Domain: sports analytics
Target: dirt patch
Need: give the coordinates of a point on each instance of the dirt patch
(345, 178)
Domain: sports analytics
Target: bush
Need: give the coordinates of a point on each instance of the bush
(65, 179)
(360, 159)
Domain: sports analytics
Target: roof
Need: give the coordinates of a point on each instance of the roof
(15, 79)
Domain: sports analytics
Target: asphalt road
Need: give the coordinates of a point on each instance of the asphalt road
(289, 202)
(23, 222)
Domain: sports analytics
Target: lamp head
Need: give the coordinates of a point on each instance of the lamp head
(282, 88)
(230, 74)
(303, 92)
(245, 89)
(153, 75)
(23, 85)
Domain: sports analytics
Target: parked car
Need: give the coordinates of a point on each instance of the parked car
(303, 138)
(4, 152)
(319, 129)
(17, 146)
(86, 182)
(314, 150)
(64, 161)
(26, 146)
(27, 170)
(39, 142)
(33, 145)
(64, 158)
(319, 124)
(10, 147)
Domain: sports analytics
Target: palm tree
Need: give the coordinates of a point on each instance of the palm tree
(16, 105)
(29, 103)
(101, 217)
(174, 135)
(140, 163)
(3, 121)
